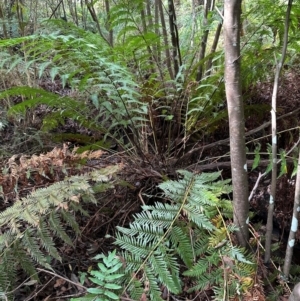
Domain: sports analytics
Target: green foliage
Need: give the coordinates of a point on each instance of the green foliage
(283, 163)
(187, 229)
(108, 97)
(256, 156)
(105, 278)
(68, 107)
(32, 222)
(138, 45)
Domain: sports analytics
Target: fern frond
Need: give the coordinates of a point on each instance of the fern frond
(132, 244)
(27, 264)
(182, 245)
(55, 223)
(159, 262)
(201, 243)
(150, 277)
(195, 214)
(237, 253)
(32, 246)
(47, 241)
(68, 217)
(136, 290)
(7, 271)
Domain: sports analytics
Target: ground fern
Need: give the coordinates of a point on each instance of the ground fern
(33, 221)
(185, 230)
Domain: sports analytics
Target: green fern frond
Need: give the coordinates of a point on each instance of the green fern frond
(217, 236)
(160, 265)
(208, 280)
(33, 248)
(136, 290)
(182, 245)
(80, 60)
(47, 241)
(188, 228)
(133, 244)
(201, 243)
(154, 290)
(27, 263)
(78, 208)
(68, 217)
(237, 253)
(159, 211)
(7, 271)
(55, 223)
(195, 214)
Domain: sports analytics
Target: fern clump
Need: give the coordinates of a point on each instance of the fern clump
(187, 233)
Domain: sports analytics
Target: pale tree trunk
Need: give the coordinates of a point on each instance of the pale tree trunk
(156, 48)
(294, 226)
(295, 295)
(274, 137)
(73, 11)
(232, 11)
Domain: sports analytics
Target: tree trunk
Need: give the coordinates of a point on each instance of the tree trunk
(232, 11)
(165, 37)
(274, 136)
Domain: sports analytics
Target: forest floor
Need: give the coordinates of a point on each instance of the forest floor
(116, 209)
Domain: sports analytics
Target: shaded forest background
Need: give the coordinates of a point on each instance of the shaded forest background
(101, 104)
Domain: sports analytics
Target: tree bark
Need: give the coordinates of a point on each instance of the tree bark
(232, 11)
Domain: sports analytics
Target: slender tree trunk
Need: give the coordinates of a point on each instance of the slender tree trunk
(294, 226)
(174, 37)
(73, 11)
(214, 47)
(2, 16)
(204, 38)
(93, 14)
(232, 11)
(165, 37)
(274, 136)
(107, 25)
(157, 52)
